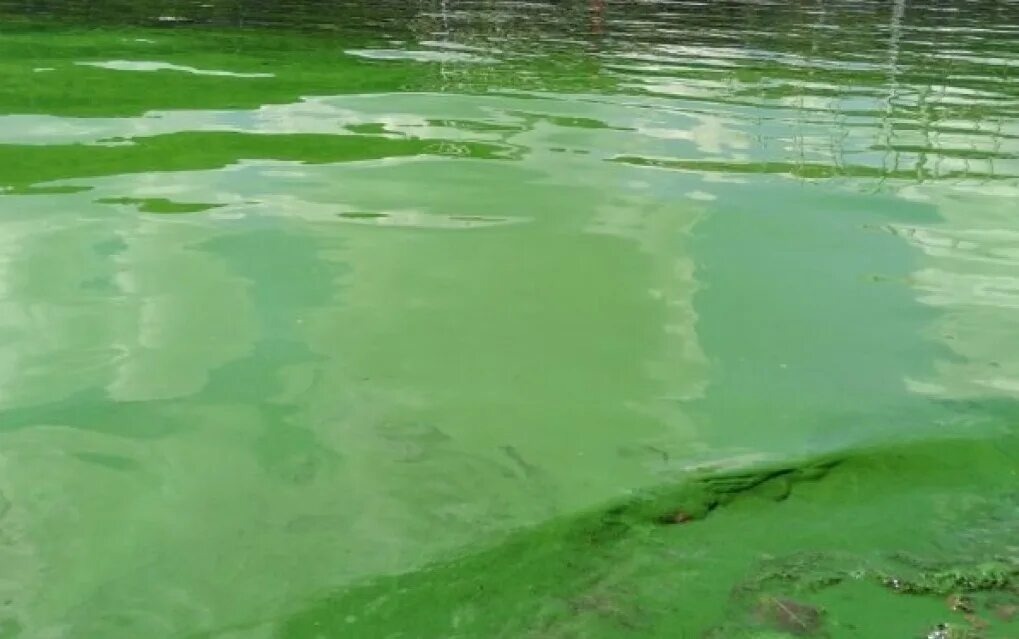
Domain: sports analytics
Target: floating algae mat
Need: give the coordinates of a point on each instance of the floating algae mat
(450, 318)
(822, 549)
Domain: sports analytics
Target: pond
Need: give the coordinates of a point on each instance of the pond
(498, 318)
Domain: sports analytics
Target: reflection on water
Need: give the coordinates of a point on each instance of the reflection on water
(297, 294)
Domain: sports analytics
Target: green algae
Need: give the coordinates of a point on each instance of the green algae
(161, 205)
(678, 321)
(22, 166)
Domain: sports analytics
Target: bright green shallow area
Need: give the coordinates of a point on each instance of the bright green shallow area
(496, 319)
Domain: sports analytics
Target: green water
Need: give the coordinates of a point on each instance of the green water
(418, 318)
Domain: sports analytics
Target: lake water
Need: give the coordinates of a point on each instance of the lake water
(417, 318)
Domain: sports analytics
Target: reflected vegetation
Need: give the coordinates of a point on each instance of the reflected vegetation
(326, 316)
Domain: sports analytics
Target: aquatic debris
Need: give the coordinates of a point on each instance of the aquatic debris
(950, 631)
(977, 592)
(678, 517)
(790, 616)
(991, 575)
(959, 603)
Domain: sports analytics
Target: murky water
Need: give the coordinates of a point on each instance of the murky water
(347, 319)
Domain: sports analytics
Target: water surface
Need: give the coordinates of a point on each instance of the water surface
(312, 313)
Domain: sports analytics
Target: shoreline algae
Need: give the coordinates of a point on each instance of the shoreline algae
(621, 571)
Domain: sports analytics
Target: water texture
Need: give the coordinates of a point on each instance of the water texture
(443, 318)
